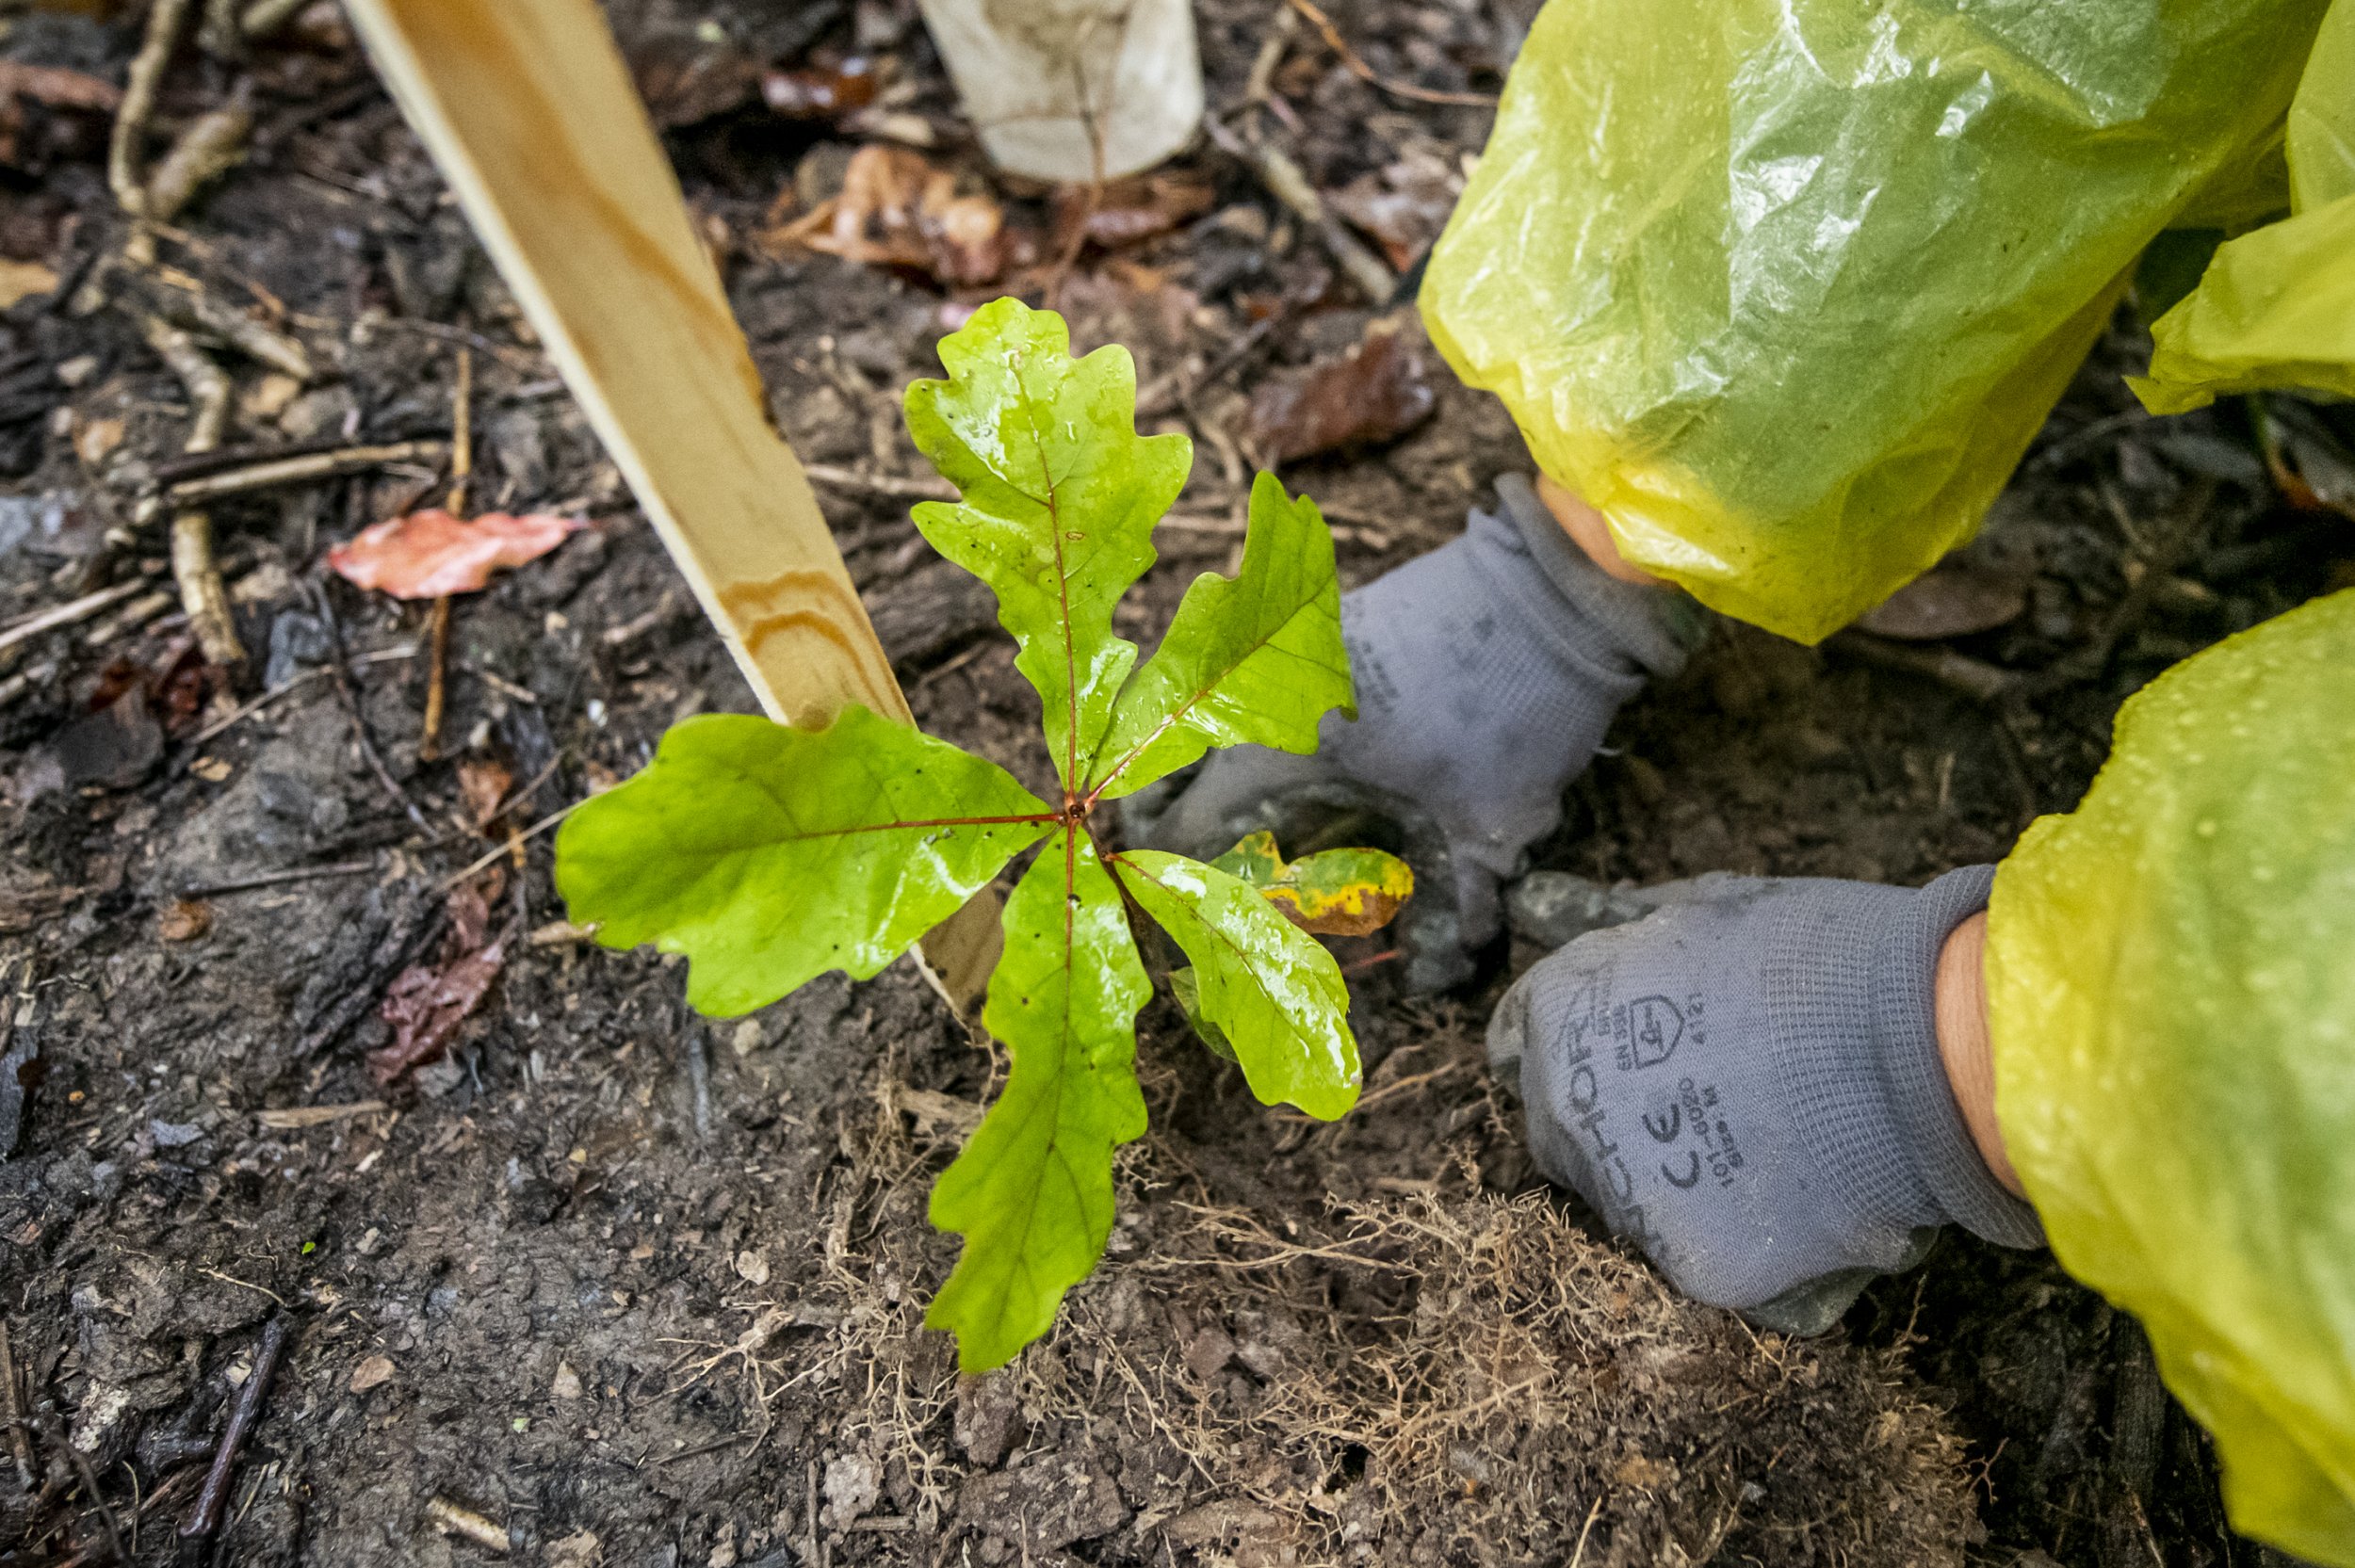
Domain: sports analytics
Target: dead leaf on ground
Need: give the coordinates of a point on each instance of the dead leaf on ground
(1376, 392)
(428, 553)
(50, 114)
(822, 92)
(1130, 210)
(185, 920)
(1403, 209)
(426, 1003)
(372, 1372)
(58, 88)
(482, 784)
(896, 209)
(1948, 600)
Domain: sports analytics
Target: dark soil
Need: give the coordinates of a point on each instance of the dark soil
(635, 1288)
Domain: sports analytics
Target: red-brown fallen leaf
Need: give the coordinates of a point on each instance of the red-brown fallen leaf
(822, 92)
(427, 1003)
(483, 785)
(1137, 208)
(895, 209)
(1376, 392)
(57, 87)
(428, 553)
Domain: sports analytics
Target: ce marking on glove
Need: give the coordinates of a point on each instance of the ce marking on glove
(1694, 1106)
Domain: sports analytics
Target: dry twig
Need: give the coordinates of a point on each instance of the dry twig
(1285, 182)
(205, 1516)
(164, 25)
(193, 564)
(211, 146)
(1391, 84)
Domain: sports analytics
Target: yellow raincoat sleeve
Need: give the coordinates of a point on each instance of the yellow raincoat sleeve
(2171, 996)
(1783, 288)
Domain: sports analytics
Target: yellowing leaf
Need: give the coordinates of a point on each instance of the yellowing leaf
(769, 855)
(1332, 893)
(1032, 1191)
(1060, 496)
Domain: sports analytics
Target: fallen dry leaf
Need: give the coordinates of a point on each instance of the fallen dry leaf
(482, 784)
(1947, 601)
(22, 281)
(428, 553)
(184, 920)
(373, 1372)
(427, 1003)
(895, 209)
(1376, 392)
(57, 87)
(1403, 209)
(1137, 208)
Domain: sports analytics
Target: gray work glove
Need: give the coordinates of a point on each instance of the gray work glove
(1747, 1083)
(1487, 673)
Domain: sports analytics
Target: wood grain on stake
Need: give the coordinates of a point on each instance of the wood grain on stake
(531, 113)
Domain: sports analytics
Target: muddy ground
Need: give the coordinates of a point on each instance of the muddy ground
(608, 1283)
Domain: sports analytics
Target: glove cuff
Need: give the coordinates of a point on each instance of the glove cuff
(1655, 628)
(1904, 990)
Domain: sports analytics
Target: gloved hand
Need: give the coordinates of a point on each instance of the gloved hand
(1746, 1082)
(1487, 673)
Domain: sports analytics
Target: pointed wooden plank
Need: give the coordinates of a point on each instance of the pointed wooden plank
(529, 111)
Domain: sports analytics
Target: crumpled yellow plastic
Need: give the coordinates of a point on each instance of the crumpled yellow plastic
(2171, 996)
(1783, 288)
(2276, 308)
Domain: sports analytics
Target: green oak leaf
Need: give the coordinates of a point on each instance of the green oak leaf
(769, 855)
(1269, 987)
(1183, 986)
(1032, 1190)
(1331, 893)
(1060, 499)
(1253, 657)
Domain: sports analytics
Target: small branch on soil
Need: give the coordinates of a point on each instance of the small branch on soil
(515, 359)
(890, 485)
(193, 567)
(210, 147)
(1977, 679)
(1285, 182)
(188, 304)
(265, 17)
(1365, 73)
(205, 1516)
(70, 613)
(11, 1402)
(382, 655)
(461, 470)
(351, 705)
(297, 469)
(483, 861)
(450, 1519)
(106, 1510)
(296, 1117)
(279, 878)
(163, 22)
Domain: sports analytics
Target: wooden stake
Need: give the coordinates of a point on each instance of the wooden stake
(529, 111)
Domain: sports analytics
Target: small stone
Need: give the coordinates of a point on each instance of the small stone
(1553, 908)
(1209, 1352)
(566, 1384)
(853, 1483)
(747, 1037)
(751, 1268)
(80, 369)
(372, 1373)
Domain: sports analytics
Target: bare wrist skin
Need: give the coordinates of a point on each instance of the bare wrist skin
(1959, 1015)
(1591, 533)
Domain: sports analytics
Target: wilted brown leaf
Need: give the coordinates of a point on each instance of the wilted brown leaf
(895, 209)
(482, 784)
(21, 281)
(1403, 209)
(58, 88)
(425, 1005)
(1376, 392)
(1137, 208)
(1948, 600)
(428, 553)
(184, 920)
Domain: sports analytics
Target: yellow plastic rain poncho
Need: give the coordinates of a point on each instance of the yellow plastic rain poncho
(2171, 993)
(1783, 288)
